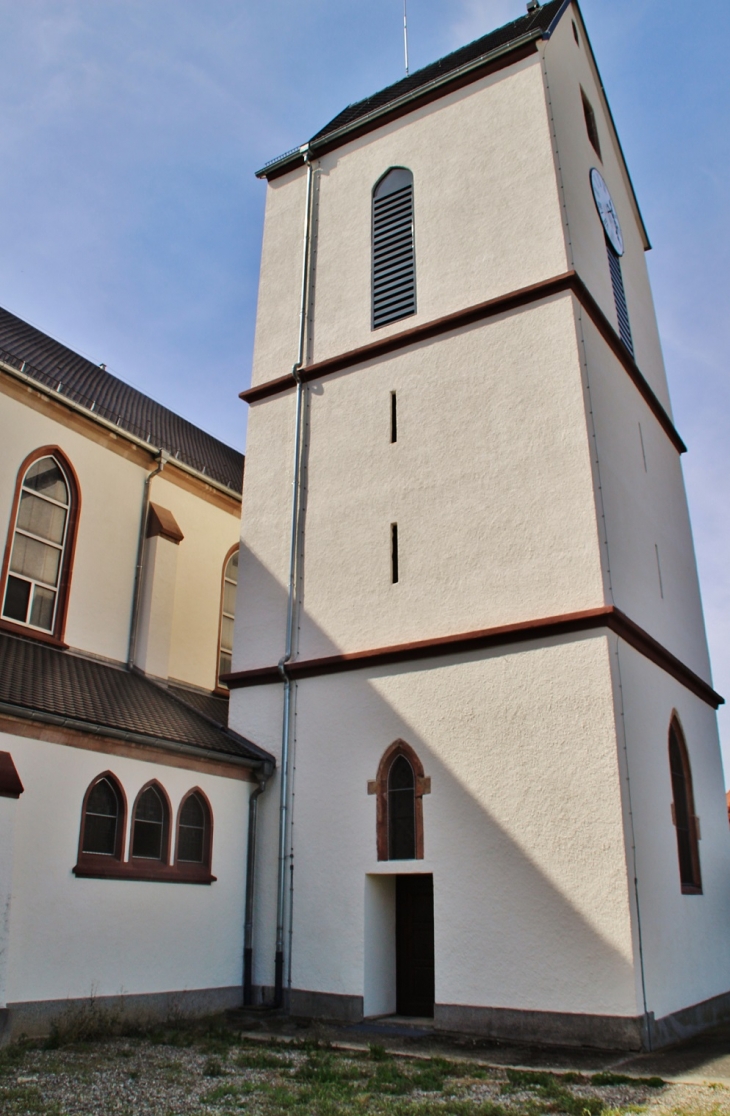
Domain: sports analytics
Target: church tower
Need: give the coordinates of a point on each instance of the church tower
(468, 609)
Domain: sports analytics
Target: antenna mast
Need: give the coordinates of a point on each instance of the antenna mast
(405, 33)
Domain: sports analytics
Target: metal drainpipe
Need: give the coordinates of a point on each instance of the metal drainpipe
(293, 551)
(163, 458)
(250, 874)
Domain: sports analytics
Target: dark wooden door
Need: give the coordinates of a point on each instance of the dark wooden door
(414, 945)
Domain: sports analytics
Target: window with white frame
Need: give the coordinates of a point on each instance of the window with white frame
(39, 543)
(228, 612)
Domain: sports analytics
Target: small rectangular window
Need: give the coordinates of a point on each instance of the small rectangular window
(394, 551)
(393, 418)
(591, 125)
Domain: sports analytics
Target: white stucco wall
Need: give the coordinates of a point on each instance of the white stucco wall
(8, 807)
(111, 485)
(487, 217)
(568, 67)
(72, 937)
(686, 938)
(489, 482)
(523, 828)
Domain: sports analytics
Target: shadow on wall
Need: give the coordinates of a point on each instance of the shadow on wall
(530, 884)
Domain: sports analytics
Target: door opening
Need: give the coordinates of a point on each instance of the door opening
(414, 964)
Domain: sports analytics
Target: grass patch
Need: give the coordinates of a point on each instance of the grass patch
(213, 1068)
(622, 1079)
(262, 1060)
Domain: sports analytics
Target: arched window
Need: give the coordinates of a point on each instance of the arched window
(400, 786)
(228, 612)
(394, 248)
(40, 543)
(194, 830)
(103, 818)
(686, 822)
(151, 824)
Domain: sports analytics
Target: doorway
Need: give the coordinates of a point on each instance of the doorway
(414, 961)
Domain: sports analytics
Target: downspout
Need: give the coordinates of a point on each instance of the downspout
(162, 460)
(293, 552)
(250, 871)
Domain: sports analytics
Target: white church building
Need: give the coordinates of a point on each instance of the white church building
(469, 767)
(469, 623)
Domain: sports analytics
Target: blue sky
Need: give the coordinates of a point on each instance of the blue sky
(130, 220)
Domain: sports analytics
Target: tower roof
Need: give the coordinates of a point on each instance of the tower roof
(505, 40)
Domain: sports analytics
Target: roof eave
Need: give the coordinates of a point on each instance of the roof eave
(42, 716)
(293, 159)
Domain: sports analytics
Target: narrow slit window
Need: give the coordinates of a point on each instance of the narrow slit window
(393, 418)
(394, 249)
(591, 124)
(575, 33)
(619, 298)
(394, 552)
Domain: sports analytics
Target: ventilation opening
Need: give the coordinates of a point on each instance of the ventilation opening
(619, 297)
(575, 33)
(393, 418)
(591, 125)
(394, 257)
(394, 552)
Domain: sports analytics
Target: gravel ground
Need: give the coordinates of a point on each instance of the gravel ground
(183, 1073)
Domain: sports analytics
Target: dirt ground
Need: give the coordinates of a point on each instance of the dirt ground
(210, 1068)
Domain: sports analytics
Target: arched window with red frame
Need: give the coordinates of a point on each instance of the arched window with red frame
(103, 819)
(194, 844)
(151, 825)
(686, 822)
(40, 545)
(228, 613)
(400, 786)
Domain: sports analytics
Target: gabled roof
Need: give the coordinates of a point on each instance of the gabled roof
(73, 377)
(528, 28)
(41, 683)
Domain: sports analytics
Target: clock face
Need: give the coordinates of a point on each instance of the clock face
(607, 212)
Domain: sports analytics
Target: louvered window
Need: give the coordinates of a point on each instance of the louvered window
(394, 249)
(619, 297)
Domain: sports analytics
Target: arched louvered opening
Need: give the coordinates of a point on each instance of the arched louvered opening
(619, 298)
(683, 812)
(394, 248)
(401, 811)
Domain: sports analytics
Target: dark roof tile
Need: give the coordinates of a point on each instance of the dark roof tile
(50, 363)
(36, 677)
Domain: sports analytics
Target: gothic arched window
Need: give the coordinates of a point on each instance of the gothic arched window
(40, 544)
(685, 821)
(194, 830)
(228, 613)
(400, 786)
(103, 818)
(394, 248)
(151, 824)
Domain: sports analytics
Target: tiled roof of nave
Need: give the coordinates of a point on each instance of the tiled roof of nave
(50, 363)
(39, 679)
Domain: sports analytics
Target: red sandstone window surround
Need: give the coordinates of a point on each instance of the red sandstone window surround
(103, 835)
(399, 789)
(39, 551)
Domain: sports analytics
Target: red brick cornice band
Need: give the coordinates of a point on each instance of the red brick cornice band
(608, 617)
(569, 281)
